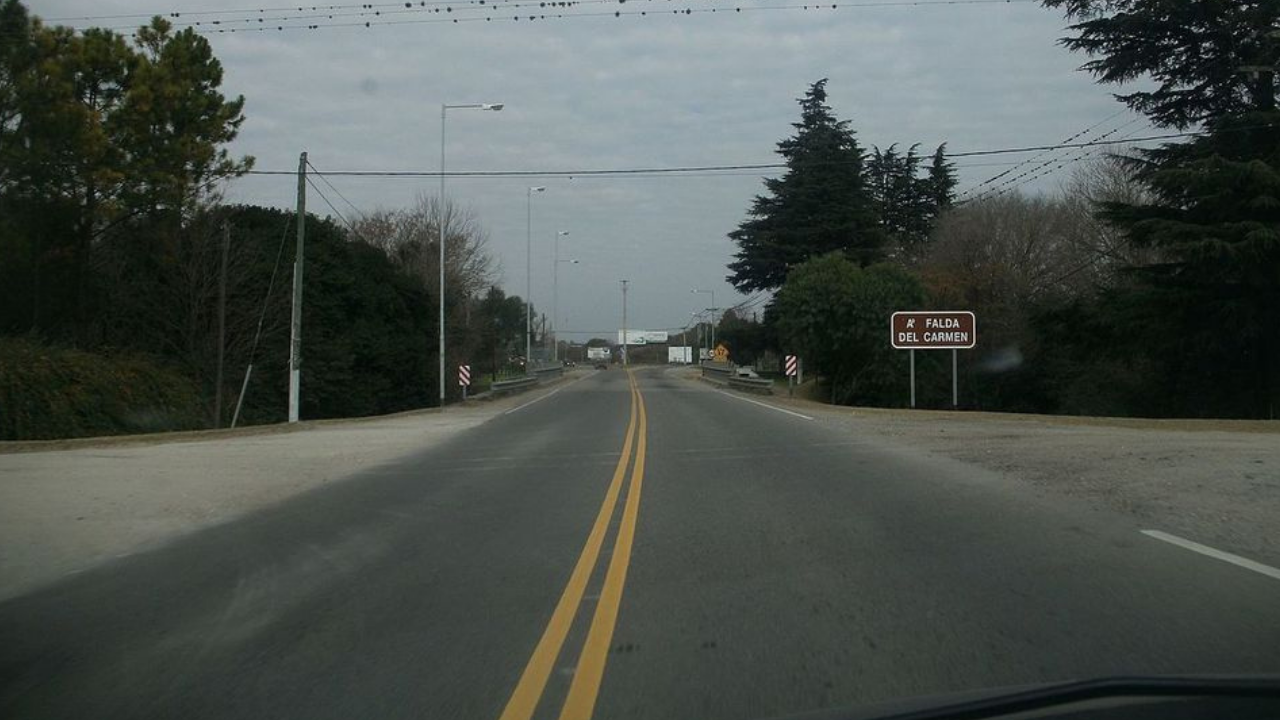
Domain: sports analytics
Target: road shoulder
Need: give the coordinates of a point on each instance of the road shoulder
(1215, 481)
(66, 508)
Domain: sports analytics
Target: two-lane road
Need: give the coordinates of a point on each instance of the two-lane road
(631, 546)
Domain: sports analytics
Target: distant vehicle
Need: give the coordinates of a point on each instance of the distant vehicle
(599, 357)
(746, 372)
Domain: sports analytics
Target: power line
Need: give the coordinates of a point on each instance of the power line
(331, 207)
(1048, 168)
(446, 7)
(1082, 155)
(677, 170)
(1035, 171)
(241, 11)
(350, 204)
(259, 22)
(1072, 138)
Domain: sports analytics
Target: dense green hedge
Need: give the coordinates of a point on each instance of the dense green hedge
(53, 392)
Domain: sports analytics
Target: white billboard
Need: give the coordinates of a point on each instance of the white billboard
(683, 355)
(643, 337)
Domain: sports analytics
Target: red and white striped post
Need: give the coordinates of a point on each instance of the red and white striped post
(464, 379)
(791, 367)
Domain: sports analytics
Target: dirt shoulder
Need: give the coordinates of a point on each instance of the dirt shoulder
(1213, 481)
(66, 509)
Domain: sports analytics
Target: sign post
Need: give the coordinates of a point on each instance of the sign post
(464, 379)
(934, 330)
(913, 379)
(791, 367)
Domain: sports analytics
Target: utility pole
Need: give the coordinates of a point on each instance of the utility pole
(625, 359)
(222, 326)
(295, 326)
(528, 275)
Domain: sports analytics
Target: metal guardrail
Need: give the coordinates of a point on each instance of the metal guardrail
(763, 386)
(506, 386)
(553, 371)
(538, 376)
(717, 372)
(727, 374)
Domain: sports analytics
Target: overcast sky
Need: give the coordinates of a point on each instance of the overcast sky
(606, 92)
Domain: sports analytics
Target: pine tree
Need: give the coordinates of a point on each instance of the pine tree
(1216, 212)
(821, 203)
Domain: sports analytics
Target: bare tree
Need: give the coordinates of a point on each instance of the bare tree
(410, 238)
(1106, 179)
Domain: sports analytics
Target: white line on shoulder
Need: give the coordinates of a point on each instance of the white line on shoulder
(1214, 553)
(763, 404)
(544, 397)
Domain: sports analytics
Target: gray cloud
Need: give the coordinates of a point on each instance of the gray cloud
(634, 92)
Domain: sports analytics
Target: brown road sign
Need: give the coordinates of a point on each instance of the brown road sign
(933, 330)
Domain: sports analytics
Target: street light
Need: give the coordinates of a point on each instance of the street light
(495, 107)
(555, 294)
(528, 274)
(713, 309)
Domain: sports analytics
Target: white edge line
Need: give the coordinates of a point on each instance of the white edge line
(544, 397)
(762, 404)
(1216, 554)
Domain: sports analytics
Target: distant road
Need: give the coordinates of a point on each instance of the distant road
(635, 545)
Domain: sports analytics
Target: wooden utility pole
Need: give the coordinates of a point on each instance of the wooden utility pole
(295, 327)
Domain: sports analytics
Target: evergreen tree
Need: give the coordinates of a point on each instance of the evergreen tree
(1215, 215)
(821, 203)
(1208, 58)
(939, 188)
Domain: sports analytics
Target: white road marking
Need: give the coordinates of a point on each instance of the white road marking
(1216, 554)
(544, 397)
(766, 405)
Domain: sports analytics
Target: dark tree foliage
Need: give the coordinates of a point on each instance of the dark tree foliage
(907, 203)
(1204, 317)
(835, 315)
(98, 137)
(498, 321)
(746, 338)
(819, 205)
(1209, 58)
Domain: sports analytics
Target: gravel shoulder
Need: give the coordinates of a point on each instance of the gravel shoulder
(1216, 482)
(67, 506)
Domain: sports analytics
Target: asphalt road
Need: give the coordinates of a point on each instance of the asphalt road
(667, 551)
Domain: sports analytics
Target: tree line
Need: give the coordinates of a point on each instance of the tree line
(1148, 285)
(119, 259)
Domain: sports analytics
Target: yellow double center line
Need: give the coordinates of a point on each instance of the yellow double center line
(581, 699)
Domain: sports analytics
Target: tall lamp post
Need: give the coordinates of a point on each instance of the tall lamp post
(528, 275)
(555, 294)
(713, 309)
(444, 109)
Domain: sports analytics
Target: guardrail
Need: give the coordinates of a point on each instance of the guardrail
(717, 372)
(552, 371)
(508, 386)
(762, 386)
(727, 374)
(538, 376)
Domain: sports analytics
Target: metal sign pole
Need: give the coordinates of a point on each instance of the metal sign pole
(955, 385)
(913, 379)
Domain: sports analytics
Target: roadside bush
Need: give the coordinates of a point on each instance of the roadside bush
(49, 392)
